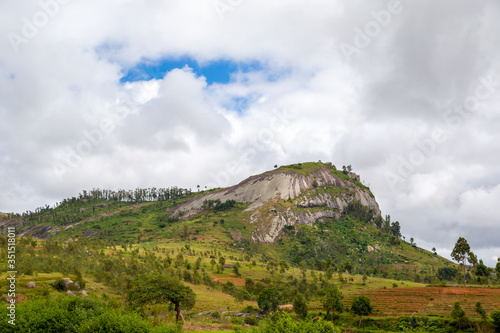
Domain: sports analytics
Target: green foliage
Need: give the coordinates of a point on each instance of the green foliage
(360, 211)
(482, 269)
(269, 299)
(480, 311)
(157, 288)
(346, 169)
(396, 229)
(332, 301)
(59, 284)
(284, 323)
(495, 315)
(251, 320)
(460, 252)
(446, 273)
(300, 306)
(361, 306)
(217, 205)
(114, 321)
(457, 312)
(75, 314)
(497, 268)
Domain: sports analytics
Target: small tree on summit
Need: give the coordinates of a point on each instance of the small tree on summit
(460, 252)
(346, 169)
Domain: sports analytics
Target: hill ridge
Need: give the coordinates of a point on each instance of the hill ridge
(296, 194)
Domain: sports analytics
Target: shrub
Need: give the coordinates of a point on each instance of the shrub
(283, 323)
(59, 284)
(114, 321)
(300, 306)
(496, 319)
(251, 320)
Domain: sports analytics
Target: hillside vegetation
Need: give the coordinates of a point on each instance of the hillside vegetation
(333, 236)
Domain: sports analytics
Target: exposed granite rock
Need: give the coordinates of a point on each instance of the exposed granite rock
(314, 197)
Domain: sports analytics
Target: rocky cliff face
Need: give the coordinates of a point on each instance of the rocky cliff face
(283, 197)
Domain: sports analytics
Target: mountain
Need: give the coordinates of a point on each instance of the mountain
(296, 194)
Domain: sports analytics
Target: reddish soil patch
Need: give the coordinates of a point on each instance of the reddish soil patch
(18, 298)
(235, 280)
(430, 300)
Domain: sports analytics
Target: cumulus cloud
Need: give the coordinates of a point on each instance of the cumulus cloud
(406, 92)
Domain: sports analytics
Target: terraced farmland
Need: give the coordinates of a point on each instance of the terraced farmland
(430, 300)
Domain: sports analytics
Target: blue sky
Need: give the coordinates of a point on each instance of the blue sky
(219, 71)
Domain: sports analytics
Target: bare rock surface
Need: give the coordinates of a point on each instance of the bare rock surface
(316, 196)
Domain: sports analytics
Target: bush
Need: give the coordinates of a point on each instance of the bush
(76, 314)
(249, 309)
(114, 321)
(447, 273)
(58, 284)
(283, 323)
(300, 306)
(251, 320)
(496, 319)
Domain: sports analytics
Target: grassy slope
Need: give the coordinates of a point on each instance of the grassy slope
(129, 223)
(122, 222)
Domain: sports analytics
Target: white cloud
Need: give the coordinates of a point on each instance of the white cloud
(375, 112)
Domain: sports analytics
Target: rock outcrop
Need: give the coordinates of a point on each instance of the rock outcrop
(303, 198)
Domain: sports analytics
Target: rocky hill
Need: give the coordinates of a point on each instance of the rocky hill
(295, 194)
(305, 214)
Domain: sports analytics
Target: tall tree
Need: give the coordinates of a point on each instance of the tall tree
(156, 288)
(460, 252)
(472, 259)
(396, 229)
(332, 301)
